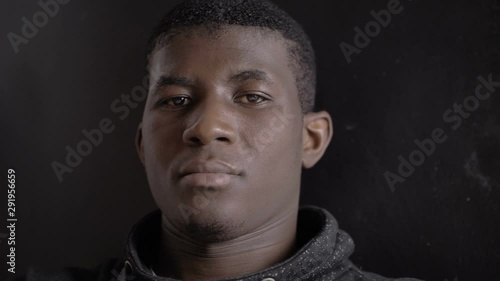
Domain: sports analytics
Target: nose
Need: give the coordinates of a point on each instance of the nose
(210, 122)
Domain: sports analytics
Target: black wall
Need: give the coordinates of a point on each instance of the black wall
(441, 223)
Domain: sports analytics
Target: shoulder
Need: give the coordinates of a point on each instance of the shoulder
(102, 272)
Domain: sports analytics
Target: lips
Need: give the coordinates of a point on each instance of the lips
(210, 174)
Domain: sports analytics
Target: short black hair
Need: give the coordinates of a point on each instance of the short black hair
(213, 14)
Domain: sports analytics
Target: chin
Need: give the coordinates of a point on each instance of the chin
(216, 221)
(211, 231)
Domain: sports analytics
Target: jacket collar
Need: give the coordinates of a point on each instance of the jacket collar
(323, 247)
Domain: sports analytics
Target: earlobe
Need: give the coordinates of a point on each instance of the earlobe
(138, 143)
(317, 134)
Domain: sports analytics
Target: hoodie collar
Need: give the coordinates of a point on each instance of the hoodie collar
(322, 247)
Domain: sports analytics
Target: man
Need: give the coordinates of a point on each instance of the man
(227, 128)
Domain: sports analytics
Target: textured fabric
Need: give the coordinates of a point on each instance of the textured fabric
(323, 255)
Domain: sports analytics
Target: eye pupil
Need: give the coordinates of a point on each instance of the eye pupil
(174, 102)
(179, 101)
(253, 98)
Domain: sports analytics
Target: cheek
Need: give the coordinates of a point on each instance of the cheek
(278, 148)
(283, 133)
(274, 177)
(161, 141)
(161, 138)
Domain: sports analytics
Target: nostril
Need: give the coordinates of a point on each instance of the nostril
(195, 140)
(224, 139)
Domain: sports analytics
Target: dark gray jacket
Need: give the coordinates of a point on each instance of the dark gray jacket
(323, 255)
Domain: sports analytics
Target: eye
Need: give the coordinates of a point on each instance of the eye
(251, 99)
(174, 102)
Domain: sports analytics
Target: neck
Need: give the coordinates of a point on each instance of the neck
(182, 258)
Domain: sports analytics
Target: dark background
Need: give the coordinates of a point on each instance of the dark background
(441, 223)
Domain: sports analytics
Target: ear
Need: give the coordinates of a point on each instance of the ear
(317, 134)
(138, 143)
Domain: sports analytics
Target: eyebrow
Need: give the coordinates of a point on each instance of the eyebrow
(176, 81)
(165, 81)
(251, 75)
(182, 81)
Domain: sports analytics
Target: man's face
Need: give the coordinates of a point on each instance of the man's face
(221, 137)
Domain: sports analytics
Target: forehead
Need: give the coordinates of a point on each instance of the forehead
(224, 52)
